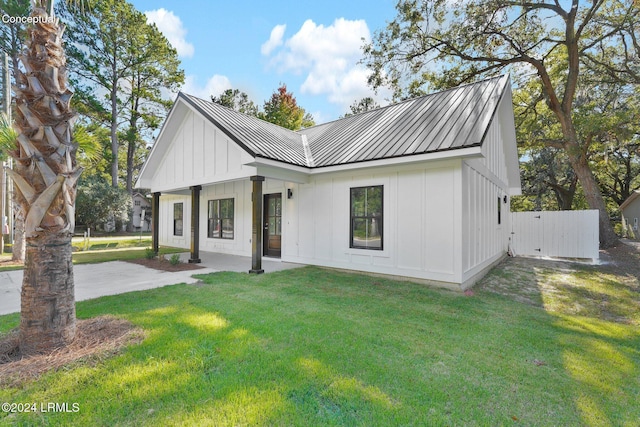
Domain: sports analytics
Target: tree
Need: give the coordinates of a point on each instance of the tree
(236, 100)
(365, 104)
(12, 36)
(45, 177)
(115, 50)
(98, 202)
(282, 109)
(485, 37)
(13, 33)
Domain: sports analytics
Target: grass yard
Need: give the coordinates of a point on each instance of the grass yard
(312, 347)
(101, 249)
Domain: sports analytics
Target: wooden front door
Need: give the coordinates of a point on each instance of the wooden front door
(272, 220)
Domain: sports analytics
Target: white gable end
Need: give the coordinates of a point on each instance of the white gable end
(197, 153)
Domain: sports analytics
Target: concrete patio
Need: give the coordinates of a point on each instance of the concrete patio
(117, 277)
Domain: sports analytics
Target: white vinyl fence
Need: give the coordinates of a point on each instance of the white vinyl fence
(563, 234)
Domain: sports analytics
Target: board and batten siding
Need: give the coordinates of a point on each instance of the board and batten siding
(421, 206)
(200, 154)
(485, 240)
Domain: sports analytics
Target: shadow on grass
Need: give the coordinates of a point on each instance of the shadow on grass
(317, 347)
(597, 313)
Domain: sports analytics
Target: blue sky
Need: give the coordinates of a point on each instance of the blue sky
(312, 47)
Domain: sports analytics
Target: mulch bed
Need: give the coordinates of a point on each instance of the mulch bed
(96, 339)
(165, 265)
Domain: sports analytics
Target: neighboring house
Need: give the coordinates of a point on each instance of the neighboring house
(418, 189)
(630, 210)
(141, 204)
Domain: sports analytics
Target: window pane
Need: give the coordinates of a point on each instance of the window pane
(278, 203)
(366, 217)
(227, 228)
(177, 227)
(177, 219)
(221, 217)
(210, 227)
(358, 201)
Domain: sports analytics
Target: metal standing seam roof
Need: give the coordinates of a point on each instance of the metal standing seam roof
(448, 120)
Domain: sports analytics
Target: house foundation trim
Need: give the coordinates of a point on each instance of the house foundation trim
(155, 222)
(256, 225)
(195, 224)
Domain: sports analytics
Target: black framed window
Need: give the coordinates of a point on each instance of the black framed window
(366, 218)
(220, 219)
(177, 219)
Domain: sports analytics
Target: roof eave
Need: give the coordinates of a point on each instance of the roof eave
(630, 199)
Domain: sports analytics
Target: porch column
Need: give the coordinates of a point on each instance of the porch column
(256, 225)
(155, 222)
(195, 224)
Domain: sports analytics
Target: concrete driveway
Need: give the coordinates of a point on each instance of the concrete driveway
(96, 280)
(117, 277)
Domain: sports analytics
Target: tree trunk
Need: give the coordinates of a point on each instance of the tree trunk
(48, 310)
(592, 194)
(114, 133)
(131, 147)
(45, 179)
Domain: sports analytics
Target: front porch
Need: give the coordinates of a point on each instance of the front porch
(236, 263)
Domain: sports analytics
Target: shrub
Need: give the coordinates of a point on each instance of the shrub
(175, 259)
(149, 253)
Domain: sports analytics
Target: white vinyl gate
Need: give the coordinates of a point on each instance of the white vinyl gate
(563, 234)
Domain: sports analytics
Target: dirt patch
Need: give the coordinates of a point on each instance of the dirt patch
(608, 291)
(95, 340)
(165, 265)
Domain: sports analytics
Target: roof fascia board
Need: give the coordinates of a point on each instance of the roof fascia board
(462, 153)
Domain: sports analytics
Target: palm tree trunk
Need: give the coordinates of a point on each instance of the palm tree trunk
(45, 179)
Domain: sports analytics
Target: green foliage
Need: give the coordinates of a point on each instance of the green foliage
(98, 202)
(236, 100)
(282, 109)
(114, 49)
(90, 147)
(175, 259)
(13, 34)
(8, 137)
(365, 104)
(149, 253)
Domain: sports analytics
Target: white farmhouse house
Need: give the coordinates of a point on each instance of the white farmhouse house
(419, 189)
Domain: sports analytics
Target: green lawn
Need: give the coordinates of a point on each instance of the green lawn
(316, 347)
(104, 249)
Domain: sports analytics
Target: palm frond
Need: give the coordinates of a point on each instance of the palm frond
(89, 146)
(8, 136)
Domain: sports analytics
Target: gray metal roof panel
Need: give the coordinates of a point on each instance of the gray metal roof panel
(447, 120)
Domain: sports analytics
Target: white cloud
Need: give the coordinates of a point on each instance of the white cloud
(274, 41)
(328, 56)
(214, 86)
(171, 26)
